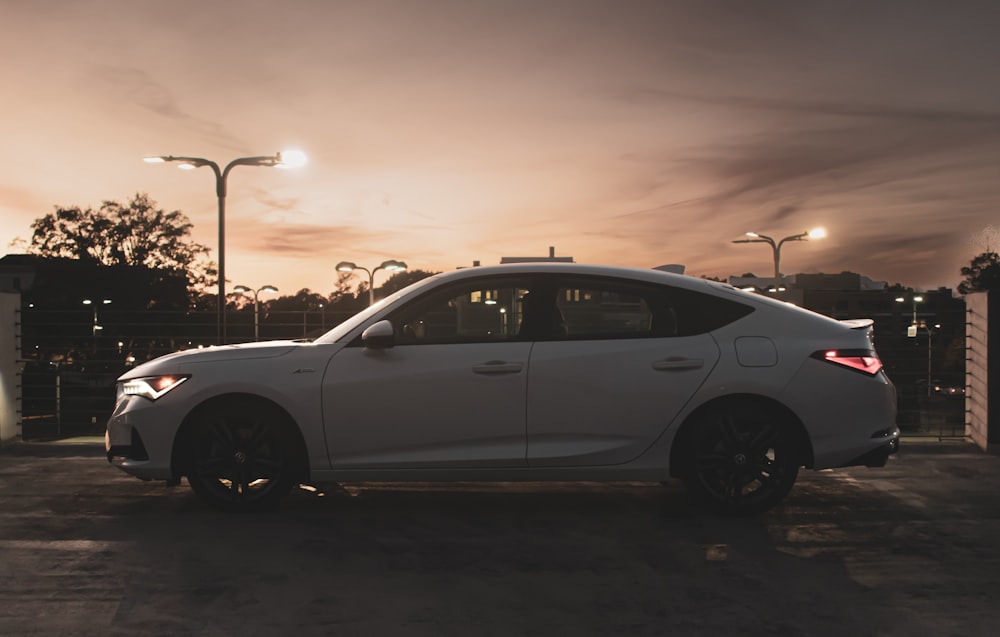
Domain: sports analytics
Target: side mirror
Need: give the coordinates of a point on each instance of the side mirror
(381, 335)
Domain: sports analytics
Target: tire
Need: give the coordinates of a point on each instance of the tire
(242, 456)
(743, 460)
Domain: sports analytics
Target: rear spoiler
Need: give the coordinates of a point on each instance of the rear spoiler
(858, 324)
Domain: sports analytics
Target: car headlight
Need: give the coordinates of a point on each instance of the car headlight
(151, 387)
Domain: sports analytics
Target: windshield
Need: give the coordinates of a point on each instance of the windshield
(363, 316)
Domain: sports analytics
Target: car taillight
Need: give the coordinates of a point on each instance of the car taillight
(860, 360)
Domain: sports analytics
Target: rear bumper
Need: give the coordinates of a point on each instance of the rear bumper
(878, 456)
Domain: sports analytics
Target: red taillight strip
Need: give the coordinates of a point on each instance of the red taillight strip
(864, 361)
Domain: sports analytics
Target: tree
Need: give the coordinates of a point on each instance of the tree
(303, 300)
(135, 234)
(343, 289)
(400, 280)
(983, 273)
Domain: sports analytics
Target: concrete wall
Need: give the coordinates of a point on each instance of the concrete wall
(981, 367)
(10, 355)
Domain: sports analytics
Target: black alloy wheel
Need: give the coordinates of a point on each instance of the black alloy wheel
(241, 458)
(743, 460)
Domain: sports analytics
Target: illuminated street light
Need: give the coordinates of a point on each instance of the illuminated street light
(256, 301)
(815, 233)
(96, 325)
(911, 331)
(914, 326)
(284, 159)
(390, 266)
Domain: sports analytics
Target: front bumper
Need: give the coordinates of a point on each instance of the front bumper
(140, 436)
(135, 450)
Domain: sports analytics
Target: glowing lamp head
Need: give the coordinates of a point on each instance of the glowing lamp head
(289, 159)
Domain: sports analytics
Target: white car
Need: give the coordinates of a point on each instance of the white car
(521, 372)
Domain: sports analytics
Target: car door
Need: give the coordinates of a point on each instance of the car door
(449, 392)
(613, 376)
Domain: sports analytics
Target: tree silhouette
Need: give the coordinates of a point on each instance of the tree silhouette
(303, 300)
(343, 289)
(983, 273)
(134, 234)
(400, 280)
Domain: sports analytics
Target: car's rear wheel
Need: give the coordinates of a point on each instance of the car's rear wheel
(743, 459)
(242, 456)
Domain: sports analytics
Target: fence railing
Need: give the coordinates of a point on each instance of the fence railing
(71, 359)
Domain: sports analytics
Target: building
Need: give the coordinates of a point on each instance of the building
(61, 283)
(552, 258)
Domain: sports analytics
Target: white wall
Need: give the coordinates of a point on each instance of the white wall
(10, 354)
(975, 368)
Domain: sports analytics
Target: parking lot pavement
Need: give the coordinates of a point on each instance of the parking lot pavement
(909, 549)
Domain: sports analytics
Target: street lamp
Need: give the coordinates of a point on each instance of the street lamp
(914, 326)
(911, 331)
(256, 312)
(96, 326)
(284, 159)
(815, 233)
(930, 334)
(390, 266)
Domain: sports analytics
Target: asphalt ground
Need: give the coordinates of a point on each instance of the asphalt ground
(909, 549)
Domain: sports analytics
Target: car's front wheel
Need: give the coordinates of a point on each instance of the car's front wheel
(242, 457)
(743, 459)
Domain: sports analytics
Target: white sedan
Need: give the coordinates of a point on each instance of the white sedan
(521, 372)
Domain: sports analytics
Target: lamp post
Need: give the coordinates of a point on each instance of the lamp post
(390, 266)
(911, 331)
(96, 326)
(256, 301)
(930, 334)
(815, 233)
(285, 159)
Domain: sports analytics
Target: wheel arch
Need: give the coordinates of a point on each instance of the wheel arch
(180, 456)
(681, 441)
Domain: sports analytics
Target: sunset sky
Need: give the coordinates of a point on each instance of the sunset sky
(627, 132)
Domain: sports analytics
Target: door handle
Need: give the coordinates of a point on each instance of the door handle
(677, 363)
(498, 367)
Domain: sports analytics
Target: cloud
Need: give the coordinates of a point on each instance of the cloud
(136, 86)
(285, 204)
(786, 106)
(275, 236)
(783, 213)
(789, 173)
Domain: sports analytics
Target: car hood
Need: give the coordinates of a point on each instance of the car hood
(220, 353)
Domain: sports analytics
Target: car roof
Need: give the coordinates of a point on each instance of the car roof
(651, 275)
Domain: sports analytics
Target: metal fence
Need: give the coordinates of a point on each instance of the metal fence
(72, 358)
(928, 370)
